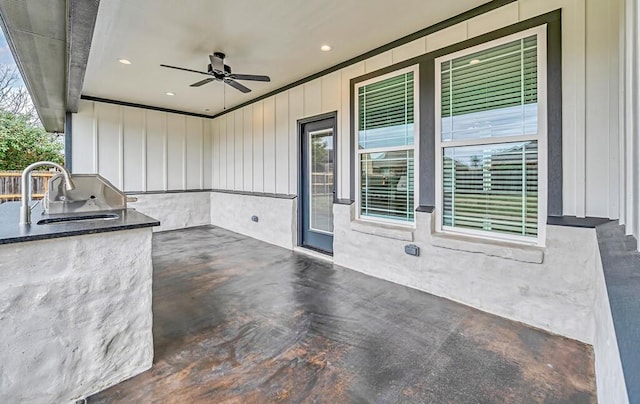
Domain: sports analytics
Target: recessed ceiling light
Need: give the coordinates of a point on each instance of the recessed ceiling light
(170, 93)
(325, 48)
(124, 61)
(474, 61)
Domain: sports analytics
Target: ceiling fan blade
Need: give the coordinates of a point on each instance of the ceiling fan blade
(237, 85)
(217, 62)
(251, 77)
(185, 69)
(202, 82)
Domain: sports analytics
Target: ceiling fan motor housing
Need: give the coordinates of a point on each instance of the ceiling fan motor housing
(227, 69)
(217, 63)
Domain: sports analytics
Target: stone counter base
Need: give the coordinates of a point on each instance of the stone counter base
(75, 315)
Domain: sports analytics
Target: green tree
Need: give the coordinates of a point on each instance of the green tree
(320, 153)
(22, 139)
(22, 142)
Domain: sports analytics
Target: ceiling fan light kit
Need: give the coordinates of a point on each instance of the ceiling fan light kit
(218, 71)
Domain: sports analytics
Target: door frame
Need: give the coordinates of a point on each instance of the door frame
(301, 126)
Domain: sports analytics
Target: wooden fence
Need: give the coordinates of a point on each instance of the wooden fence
(10, 184)
(322, 183)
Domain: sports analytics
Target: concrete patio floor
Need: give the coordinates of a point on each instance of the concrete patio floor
(240, 321)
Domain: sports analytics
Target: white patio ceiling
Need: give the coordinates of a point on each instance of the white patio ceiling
(279, 38)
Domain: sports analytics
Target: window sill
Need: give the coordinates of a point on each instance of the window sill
(492, 248)
(383, 230)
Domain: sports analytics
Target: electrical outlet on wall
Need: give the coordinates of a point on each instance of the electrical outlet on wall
(412, 249)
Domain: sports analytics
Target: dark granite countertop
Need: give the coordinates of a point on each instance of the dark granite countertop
(13, 232)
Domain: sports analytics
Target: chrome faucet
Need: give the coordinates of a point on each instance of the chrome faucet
(25, 209)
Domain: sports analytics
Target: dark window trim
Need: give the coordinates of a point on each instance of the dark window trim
(352, 107)
(427, 199)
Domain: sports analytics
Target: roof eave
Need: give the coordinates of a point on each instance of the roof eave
(50, 41)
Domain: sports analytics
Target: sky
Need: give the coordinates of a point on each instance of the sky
(6, 58)
(5, 53)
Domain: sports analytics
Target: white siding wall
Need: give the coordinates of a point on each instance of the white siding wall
(267, 158)
(143, 150)
(134, 149)
(590, 105)
(255, 148)
(602, 108)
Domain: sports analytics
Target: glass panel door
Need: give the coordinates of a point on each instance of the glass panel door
(317, 183)
(321, 181)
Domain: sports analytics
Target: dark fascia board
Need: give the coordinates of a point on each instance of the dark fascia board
(169, 191)
(573, 221)
(259, 194)
(474, 12)
(221, 191)
(82, 15)
(142, 106)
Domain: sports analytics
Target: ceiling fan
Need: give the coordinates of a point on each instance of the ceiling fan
(221, 72)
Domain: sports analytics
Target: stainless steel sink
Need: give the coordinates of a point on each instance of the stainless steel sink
(91, 193)
(79, 218)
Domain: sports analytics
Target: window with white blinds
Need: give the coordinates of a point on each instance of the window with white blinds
(386, 108)
(491, 187)
(490, 139)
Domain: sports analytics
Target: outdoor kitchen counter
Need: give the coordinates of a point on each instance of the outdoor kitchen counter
(75, 304)
(11, 231)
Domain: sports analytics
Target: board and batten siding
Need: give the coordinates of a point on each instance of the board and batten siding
(254, 148)
(142, 150)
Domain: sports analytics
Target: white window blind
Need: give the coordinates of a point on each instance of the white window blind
(492, 187)
(489, 139)
(386, 136)
(497, 85)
